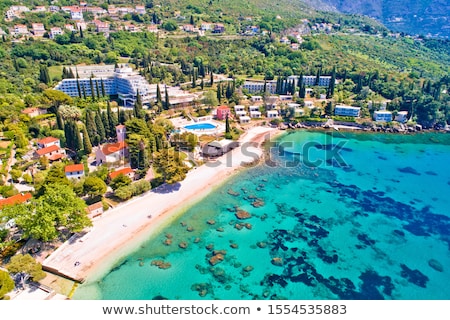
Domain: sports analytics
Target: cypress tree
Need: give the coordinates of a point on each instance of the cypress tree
(138, 106)
(219, 92)
(100, 128)
(112, 119)
(79, 88)
(84, 92)
(97, 89)
(59, 121)
(202, 84)
(103, 88)
(87, 145)
(81, 33)
(330, 91)
(78, 143)
(265, 86)
(108, 133)
(122, 117)
(318, 76)
(302, 91)
(158, 95)
(44, 76)
(91, 129)
(166, 102)
(194, 84)
(211, 79)
(91, 83)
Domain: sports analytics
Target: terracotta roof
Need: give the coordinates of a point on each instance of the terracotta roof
(47, 140)
(123, 171)
(43, 151)
(29, 110)
(56, 156)
(223, 108)
(113, 147)
(120, 126)
(95, 206)
(74, 167)
(17, 199)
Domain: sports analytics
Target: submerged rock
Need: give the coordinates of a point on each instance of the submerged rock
(233, 193)
(211, 222)
(183, 245)
(242, 214)
(215, 259)
(277, 261)
(436, 265)
(168, 242)
(161, 264)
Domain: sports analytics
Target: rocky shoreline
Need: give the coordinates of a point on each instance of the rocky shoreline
(353, 126)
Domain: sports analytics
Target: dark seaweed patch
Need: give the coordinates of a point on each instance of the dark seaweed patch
(409, 170)
(414, 276)
(431, 173)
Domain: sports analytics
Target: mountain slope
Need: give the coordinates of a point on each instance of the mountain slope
(410, 16)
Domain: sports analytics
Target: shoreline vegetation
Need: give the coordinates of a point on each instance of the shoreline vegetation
(88, 256)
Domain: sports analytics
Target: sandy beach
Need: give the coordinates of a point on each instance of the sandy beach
(123, 228)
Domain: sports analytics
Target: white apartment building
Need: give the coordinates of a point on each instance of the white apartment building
(382, 116)
(258, 86)
(343, 110)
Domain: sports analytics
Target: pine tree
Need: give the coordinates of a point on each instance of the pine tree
(100, 128)
(87, 145)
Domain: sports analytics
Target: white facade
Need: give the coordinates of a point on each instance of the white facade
(402, 116)
(255, 114)
(271, 114)
(244, 119)
(258, 86)
(253, 108)
(324, 81)
(382, 116)
(239, 107)
(241, 113)
(342, 110)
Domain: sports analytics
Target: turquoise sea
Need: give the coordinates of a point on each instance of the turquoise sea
(332, 215)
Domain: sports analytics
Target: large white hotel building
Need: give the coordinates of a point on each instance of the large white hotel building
(122, 81)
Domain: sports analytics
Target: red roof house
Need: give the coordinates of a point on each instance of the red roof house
(125, 171)
(222, 112)
(17, 199)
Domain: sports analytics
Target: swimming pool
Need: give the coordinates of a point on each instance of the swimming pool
(200, 126)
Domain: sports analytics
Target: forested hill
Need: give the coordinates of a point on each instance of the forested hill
(411, 16)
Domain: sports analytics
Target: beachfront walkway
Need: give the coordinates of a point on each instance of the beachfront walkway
(121, 228)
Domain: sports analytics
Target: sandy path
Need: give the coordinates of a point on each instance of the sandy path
(125, 226)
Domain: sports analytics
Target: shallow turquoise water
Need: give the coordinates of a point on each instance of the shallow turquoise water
(370, 221)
